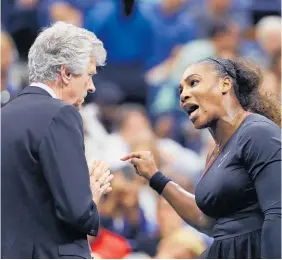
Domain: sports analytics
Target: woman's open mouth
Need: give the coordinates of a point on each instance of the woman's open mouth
(191, 110)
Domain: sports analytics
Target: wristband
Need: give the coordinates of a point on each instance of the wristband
(158, 182)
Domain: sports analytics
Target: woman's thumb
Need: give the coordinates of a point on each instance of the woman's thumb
(136, 161)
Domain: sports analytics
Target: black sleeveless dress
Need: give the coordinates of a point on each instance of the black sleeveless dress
(242, 191)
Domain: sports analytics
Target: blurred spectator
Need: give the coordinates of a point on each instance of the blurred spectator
(131, 121)
(268, 35)
(127, 36)
(127, 120)
(123, 28)
(95, 134)
(19, 19)
(172, 26)
(193, 138)
(215, 11)
(11, 80)
(224, 39)
(271, 85)
(146, 141)
(64, 12)
(183, 161)
(71, 11)
(6, 58)
(170, 241)
(183, 244)
(107, 100)
(276, 69)
(164, 126)
(120, 210)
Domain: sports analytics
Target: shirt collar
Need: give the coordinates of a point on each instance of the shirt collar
(45, 87)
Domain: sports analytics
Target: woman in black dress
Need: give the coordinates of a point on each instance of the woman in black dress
(238, 199)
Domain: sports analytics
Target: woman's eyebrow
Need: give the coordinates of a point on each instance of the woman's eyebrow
(190, 76)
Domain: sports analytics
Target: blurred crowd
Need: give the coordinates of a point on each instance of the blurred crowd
(136, 105)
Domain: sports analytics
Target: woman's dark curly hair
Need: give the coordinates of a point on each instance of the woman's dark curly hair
(247, 78)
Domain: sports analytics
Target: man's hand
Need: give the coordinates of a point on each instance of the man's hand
(100, 179)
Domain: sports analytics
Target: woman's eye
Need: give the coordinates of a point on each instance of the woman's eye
(194, 82)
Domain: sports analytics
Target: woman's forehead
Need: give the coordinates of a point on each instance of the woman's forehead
(200, 68)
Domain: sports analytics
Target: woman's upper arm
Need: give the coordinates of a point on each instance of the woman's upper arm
(260, 151)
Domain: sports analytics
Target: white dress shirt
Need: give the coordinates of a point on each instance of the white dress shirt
(45, 87)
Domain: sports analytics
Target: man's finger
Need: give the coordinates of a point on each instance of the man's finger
(109, 178)
(96, 174)
(95, 185)
(100, 170)
(104, 176)
(103, 167)
(104, 188)
(92, 165)
(108, 190)
(96, 163)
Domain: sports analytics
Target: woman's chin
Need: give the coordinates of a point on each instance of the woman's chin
(199, 124)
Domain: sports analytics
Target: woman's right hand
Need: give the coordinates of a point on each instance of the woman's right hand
(143, 162)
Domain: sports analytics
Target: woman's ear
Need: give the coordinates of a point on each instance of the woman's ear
(65, 75)
(226, 85)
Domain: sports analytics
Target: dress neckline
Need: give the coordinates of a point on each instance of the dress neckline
(211, 162)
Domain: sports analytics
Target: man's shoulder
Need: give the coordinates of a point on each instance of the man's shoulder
(57, 109)
(34, 106)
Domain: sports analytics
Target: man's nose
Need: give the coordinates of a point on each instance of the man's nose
(91, 88)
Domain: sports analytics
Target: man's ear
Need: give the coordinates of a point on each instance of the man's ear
(65, 75)
(226, 85)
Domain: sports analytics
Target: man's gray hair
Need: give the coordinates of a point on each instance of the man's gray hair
(63, 44)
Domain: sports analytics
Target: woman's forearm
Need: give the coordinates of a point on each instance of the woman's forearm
(185, 205)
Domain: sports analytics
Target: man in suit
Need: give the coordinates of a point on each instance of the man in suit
(49, 202)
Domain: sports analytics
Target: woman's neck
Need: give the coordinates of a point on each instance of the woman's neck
(224, 128)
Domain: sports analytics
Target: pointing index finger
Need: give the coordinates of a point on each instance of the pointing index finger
(131, 156)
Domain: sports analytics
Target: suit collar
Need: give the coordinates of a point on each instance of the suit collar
(34, 90)
(45, 87)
